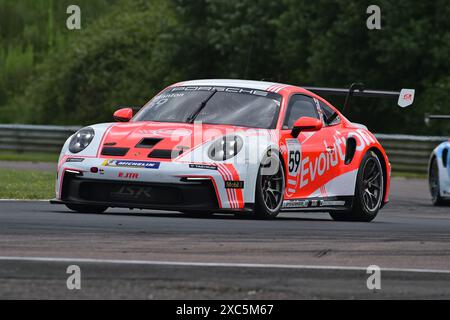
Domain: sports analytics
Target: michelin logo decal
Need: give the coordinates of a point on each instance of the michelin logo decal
(132, 164)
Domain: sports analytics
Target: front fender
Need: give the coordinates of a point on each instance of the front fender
(93, 149)
(443, 168)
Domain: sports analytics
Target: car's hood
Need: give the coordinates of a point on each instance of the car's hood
(142, 138)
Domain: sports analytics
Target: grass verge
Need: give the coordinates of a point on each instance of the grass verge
(26, 184)
(29, 156)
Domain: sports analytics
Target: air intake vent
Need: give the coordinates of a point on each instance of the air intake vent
(148, 142)
(111, 151)
(165, 154)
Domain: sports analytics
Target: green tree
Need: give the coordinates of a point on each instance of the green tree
(123, 59)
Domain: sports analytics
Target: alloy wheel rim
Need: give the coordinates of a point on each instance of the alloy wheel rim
(272, 189)
(372, 185)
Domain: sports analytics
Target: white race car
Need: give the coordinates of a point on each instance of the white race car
(439, 169)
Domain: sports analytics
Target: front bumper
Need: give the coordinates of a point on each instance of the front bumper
(171, 186)
(112, 193)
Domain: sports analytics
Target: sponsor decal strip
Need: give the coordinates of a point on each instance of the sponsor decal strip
(226, 177)
(305, 203)
(228, 191)
(65, 157)
(232, 191)
(202, 166)
(234, 184)
(132, 164)
(226, 173)
(326, 203)
(238, 192)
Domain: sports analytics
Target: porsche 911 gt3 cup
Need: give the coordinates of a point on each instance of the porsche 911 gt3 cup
(245, 147)
(439, 169)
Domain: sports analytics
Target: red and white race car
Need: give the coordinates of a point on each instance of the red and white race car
(238, 146)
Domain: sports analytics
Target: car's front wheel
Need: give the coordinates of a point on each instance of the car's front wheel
(433, 180)
(86, 208)
(270, 186)
(368, 194)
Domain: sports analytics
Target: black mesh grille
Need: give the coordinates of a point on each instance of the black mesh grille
(132, 193)
(165, 154)
(112, 151)
(148, 142)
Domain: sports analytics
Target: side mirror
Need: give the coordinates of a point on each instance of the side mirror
(306, 124)
(123, 115)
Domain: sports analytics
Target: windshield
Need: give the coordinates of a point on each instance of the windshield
(214, 105)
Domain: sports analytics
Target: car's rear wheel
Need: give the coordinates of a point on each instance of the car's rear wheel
(433, 179)
(368, 193)
(86, 208)
(270, 186)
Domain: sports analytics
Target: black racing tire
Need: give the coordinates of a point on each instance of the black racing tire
(369, 192)
(270, 187)
(198, 214)
(434, 184)
(81, 208)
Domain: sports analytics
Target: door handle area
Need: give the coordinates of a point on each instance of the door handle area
(330, 149)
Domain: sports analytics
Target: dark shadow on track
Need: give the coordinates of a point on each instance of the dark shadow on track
(177, 215)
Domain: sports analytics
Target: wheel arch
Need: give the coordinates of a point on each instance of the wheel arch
(271, 151)
(276, 150)
(430, 162)
(280, 157)
(384, 167)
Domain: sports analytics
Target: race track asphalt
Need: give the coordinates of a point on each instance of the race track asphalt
(164, 255)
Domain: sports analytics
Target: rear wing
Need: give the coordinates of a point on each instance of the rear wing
(405, 96)
(429, 117)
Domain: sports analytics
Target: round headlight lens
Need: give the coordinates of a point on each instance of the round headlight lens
(225, 148)
(81, 140)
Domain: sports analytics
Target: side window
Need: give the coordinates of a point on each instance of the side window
(328, 115)
(299, 106)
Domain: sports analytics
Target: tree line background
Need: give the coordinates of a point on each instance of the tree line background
(128, 50)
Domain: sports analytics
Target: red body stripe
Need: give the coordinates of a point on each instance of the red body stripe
(238, 192)
(224, 177)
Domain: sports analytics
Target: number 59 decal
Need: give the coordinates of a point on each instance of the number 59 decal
(294, 158)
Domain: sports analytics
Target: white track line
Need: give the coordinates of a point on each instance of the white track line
(212, 264)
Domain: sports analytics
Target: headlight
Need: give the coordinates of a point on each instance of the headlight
(81, 140)
(225, 148)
